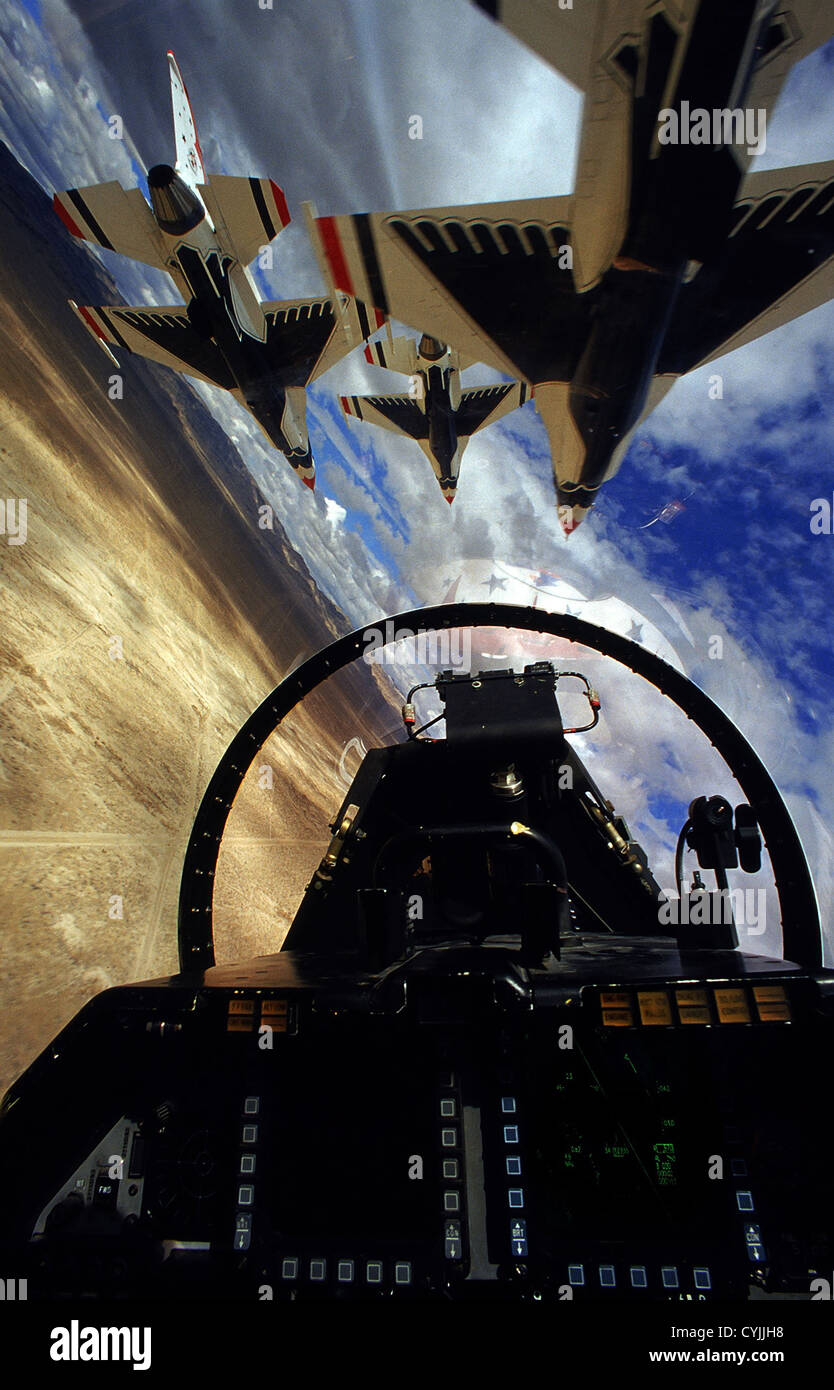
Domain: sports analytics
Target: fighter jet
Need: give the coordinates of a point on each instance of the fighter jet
(668, 253)
(204, 230)
(435, 412)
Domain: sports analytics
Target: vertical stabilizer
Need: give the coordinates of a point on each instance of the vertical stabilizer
(189, 156)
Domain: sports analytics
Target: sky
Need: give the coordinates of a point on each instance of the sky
(319, 98)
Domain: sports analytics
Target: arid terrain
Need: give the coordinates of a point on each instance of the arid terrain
(143, 619)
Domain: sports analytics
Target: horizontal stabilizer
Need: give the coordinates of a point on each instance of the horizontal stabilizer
(162, 334)
(401, 414)
(115, 218)
(473, 276)
(486, 404)
(247, 213)
(395, 354)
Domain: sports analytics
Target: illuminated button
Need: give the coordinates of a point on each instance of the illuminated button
(245, 1195)
(518, 1236)
(508, 1105)
(373, 1272)
(275, 1014)
(451, 1201)
(449, 1138)
(772, 1003)
(450, 1168)
(515, 1196)
(738, 1167)
(732, 1006)
(702, 1279)
(247, 1163)
(289, 1268)
(250, 1134)
(402, 1272)
(240, 1017)
(448, 1109)
(637, 1274)
(655, 1009)
(576, 1275)
(693, 1005)
(669, 1277)
(251, 1105)
(344, 1271)
(770, 994)
(511, 1134)
(617, 1009)
(318, 1271)
(607, 1277)
(243, 1231)
(513, 1165)
(274, 1006)
(744, 1201)
(452, 1245)
(617, 1018)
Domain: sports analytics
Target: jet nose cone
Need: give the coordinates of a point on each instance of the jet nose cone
(450, 497)
(309, 482)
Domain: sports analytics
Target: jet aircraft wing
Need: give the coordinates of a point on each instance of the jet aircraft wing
(492, 279)
(116, 218)
(305, 337)
(163, 334)
(399, 413)
(777, 263)
(473, 276)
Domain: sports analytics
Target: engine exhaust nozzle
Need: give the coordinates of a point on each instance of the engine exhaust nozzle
(176, 207)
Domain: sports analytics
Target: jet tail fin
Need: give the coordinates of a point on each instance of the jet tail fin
(189, 156)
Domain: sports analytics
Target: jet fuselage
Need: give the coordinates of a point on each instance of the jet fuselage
(440, 415)
(222, 305)
(682, 197)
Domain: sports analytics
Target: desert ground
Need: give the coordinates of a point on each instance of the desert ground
(145, 616)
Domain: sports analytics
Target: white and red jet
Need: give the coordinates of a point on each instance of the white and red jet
(436, 412)
(204, 230)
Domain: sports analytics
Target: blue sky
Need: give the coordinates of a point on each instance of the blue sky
(319, 98)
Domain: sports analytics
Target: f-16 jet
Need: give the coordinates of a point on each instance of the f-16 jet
(204, 230)
(436, 412)
(667, 254)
